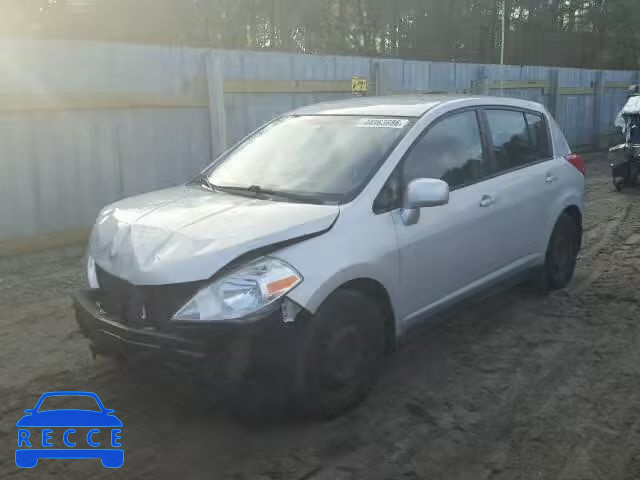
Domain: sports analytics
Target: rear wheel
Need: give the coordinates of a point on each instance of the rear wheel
(562, 253)
(343, 360)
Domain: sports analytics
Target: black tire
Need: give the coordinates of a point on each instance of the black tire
(562, 254)
(618, 186)
(634, 173)
(344, 356)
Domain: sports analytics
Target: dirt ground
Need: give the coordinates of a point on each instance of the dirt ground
(521, 387)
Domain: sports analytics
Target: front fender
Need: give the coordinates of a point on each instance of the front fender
(367, 250)
(311, 298)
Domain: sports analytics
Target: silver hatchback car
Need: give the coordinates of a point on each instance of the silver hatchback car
(301, 256)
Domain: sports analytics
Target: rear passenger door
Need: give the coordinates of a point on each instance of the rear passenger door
(523, 179)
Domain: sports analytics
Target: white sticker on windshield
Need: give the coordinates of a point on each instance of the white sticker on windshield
(382, 123)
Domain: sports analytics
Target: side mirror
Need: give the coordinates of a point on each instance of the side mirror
(29, 411)
(423, 193)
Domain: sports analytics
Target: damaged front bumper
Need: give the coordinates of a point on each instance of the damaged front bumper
(260, 347)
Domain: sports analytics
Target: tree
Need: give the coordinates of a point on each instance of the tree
(583, 33)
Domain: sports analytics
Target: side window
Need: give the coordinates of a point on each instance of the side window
(539, 135)
(451, 150)
(390, 196)
(518, 139)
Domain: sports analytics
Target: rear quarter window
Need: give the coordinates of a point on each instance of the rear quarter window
(539, 135)
(560, 146)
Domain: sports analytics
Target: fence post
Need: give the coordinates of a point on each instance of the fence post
(554, 92)
(482, 84)
(378, 76)
(217, 113)
(598, 97)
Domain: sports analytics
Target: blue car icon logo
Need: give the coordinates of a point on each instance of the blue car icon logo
(69, 433)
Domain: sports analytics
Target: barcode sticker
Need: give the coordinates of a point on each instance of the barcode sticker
(382, 123)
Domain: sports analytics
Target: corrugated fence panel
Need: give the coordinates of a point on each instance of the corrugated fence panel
(498, 72)
(158, 149)
(248, 111)
(465, 74)
(72, 67)
(442, 76)
(416, 76)
(575, 112)
(18, 210)
(83, 124)
(394, 78)
(65, 163)
(64, 166)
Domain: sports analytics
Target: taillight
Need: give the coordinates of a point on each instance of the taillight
(577, 161)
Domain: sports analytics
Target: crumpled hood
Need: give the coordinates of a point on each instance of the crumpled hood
(186, 234)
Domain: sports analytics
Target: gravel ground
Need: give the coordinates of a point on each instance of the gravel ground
(521, 387)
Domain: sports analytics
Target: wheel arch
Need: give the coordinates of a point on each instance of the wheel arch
(570, 204)
(574, 212)
(376, 292)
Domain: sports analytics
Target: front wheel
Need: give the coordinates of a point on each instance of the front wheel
(562, 253)
(344, 356)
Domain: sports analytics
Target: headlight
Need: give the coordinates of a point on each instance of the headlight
(241, 292)
(92, 277)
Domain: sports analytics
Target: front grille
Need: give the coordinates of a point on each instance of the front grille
(142, 305)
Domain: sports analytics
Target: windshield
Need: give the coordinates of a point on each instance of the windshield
(326, 158)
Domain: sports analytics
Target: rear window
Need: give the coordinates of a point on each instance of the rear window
(518, 139)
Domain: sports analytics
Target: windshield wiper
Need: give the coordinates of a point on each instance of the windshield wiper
(203, 181)
(258, 190)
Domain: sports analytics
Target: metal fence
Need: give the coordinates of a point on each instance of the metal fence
(83, 124)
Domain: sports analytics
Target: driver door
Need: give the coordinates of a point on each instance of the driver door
(451, 247)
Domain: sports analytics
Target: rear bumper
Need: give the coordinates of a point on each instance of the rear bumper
(260, 346)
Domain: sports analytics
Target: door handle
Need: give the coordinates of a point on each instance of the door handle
(550, 178)
(487, 201)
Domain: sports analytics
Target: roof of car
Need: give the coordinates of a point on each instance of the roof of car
(397, 105)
